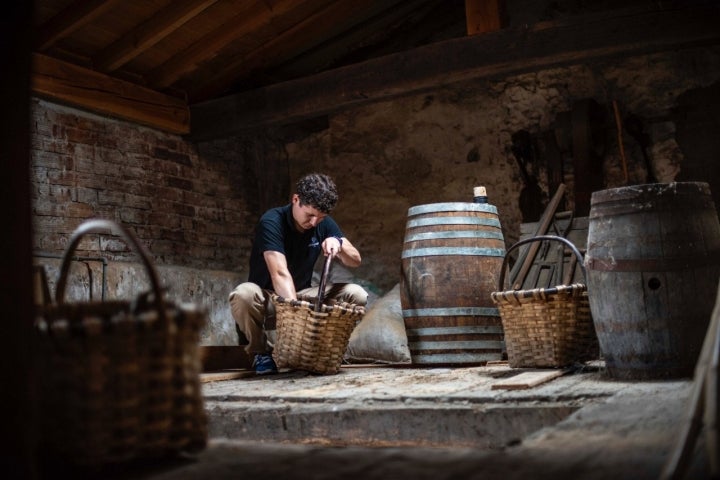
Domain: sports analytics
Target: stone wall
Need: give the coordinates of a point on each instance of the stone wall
(437, 146)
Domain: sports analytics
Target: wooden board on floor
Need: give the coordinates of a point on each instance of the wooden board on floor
(225, 375)
(528, 379)
(497, 363)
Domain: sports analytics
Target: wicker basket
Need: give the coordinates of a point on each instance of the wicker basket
(313, 336)
(119, 380)
(547, 327)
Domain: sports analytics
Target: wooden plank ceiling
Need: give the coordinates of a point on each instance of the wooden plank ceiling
(149, 60)
(236, 64)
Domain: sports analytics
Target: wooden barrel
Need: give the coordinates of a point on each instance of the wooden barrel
(652, 262)
(451, 260)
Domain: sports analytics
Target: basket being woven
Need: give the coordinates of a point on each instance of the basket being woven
(313, 336)
(119, 380)
(311, 340)
(547, 327)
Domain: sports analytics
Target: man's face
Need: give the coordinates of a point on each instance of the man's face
(305, 216)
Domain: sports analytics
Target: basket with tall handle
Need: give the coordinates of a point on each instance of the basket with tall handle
(313, 335)
(547, 327)
(118, 379)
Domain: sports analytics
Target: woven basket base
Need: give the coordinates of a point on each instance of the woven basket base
(118, 386)
(310, 340)
(553, 332)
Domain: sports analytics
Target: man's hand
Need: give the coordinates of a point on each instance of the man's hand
(343, 250)
(332, 246)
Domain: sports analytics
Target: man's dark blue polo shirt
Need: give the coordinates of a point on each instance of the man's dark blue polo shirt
(276, 231)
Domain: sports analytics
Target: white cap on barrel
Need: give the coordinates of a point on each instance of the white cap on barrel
(479, 192)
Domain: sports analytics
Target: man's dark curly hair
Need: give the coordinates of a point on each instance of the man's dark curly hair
(317, 190)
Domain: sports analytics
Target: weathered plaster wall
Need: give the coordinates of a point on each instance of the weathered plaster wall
(206, 288)
(437, 146)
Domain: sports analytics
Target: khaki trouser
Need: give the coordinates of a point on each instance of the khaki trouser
(254, 313)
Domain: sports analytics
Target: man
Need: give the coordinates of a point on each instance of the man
(288, 242)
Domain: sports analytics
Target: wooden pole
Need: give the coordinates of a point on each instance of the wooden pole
(681, 455)
(527, 256)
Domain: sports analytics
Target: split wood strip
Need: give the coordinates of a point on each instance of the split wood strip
(529, 379)
(527, 255)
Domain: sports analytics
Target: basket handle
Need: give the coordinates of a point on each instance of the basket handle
(323, 279)
(568, 243)
(103, 226)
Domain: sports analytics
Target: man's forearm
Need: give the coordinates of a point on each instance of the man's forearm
(349, 255)
(284, 286)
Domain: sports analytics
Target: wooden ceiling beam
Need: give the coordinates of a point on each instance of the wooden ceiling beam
(313, 30)
(505, 52)
(338, 47)
(97, 92)
(256, 16)
(149, 33)
(72, 18)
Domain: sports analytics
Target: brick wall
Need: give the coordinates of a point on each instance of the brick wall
(187, 209)
(193, 206)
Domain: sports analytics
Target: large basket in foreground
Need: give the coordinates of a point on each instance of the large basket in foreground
(547, 327)
(119, 380)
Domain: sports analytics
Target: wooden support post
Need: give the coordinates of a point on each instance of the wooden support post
(484, 16)
(19, 415)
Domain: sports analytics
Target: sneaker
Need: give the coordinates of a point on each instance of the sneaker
(264, 364)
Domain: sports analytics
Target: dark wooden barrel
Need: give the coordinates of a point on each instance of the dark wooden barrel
(652, 262)
(451, 260)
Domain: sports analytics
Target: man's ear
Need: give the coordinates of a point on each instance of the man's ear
(295, 198)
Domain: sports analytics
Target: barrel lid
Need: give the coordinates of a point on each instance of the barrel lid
(452, 207)
(653, 190)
